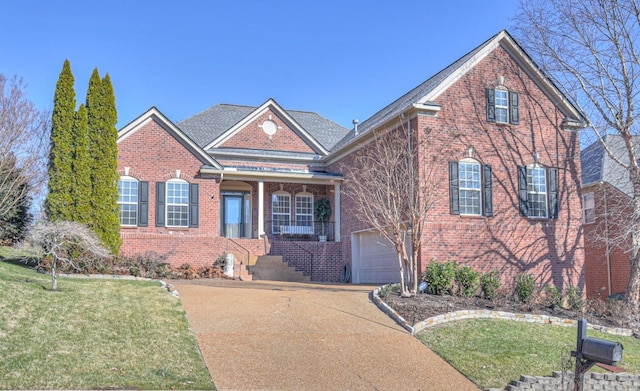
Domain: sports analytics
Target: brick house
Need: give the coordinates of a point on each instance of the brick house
(606, 196)
(244, 179)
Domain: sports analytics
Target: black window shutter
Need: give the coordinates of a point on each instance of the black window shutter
(491, 104)
(194, 208)
(514, 107)
(553, 193)
(487, 196)
(454, 187)
(160, 202)
(522, 190)
(143, 204)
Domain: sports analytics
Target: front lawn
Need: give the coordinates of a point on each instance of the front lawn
(93, 334)
(493, 352)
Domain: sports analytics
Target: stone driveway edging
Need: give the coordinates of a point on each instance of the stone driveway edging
(170, 288)
(484, 314)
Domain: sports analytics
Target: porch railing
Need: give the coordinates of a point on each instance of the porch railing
(301, 230)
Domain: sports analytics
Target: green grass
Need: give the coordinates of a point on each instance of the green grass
(93, 334)
(494, 352)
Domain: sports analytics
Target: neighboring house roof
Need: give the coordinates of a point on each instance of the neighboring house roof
(598, 166)
(212, 124)
(424, 95)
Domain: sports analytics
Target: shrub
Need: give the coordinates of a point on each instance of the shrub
(467, 279)
(552, 298)
(439, 277)
(524, 287)
(149, 265)
(574, 298)
(490, 283)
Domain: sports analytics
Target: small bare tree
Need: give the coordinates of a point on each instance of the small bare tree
(392, 189)
(23, 145)
(59, 240)
(590, 47)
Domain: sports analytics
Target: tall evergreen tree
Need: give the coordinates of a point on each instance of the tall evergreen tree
(103, 135)
(82, 163)
(59, 202)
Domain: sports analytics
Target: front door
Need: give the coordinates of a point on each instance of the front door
(233, 226)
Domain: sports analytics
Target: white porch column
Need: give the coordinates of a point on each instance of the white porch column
(260, 209)
(336, 202)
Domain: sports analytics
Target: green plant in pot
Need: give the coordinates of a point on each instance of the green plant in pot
(322, 209)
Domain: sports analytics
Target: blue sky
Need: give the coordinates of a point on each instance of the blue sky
(342, 59)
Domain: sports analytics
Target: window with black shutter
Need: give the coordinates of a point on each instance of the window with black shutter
(538, 191)
(470, 191)
(503, 106)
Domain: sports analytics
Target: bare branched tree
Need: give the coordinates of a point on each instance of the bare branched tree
(392, 189)
(590, 47)
(59, 240)
(23, 145)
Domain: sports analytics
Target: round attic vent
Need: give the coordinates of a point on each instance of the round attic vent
(269, 127)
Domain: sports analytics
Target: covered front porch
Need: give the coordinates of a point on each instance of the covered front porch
(280, 206)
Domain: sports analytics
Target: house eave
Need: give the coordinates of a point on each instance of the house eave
(271, 176)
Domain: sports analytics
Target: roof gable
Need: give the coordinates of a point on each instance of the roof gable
(215, 126)
(424, 95)
(154, 114)
(598, 166)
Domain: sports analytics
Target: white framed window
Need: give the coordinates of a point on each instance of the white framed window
(304, 210)
(588, 208)
(469, 187)
(177, 203)
(128, 201)
(502, 106)
(280, 210)
(537, 191)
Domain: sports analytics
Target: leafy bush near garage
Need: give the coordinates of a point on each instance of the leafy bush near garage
(525, 284)
(440, 276)
(467, 280)
(490, 284)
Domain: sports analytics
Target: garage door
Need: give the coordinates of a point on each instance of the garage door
(375, 259)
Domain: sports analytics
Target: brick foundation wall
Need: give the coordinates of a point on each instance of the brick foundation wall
(325, 265)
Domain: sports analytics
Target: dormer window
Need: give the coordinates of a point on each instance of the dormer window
(503, 106)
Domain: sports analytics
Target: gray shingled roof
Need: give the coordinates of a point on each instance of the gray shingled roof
(598, 166)
(205, 127)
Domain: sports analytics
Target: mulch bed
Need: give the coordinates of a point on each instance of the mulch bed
(423, 306)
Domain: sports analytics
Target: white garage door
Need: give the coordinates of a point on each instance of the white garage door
(375, 259)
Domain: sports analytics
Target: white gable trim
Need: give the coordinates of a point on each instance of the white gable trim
(274, 106)
(504, 39)
(154, 114)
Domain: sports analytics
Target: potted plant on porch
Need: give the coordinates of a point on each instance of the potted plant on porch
(322, 209)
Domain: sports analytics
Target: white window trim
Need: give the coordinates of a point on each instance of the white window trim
(273, 214)
(545, 193)
(585, 209)
(460, 188)
(305, 195)
(129, 179)
(496, 106)
(167, 204)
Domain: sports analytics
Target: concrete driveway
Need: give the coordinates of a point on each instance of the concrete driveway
(268, 335)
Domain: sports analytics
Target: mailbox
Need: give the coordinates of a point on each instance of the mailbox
(601, 351)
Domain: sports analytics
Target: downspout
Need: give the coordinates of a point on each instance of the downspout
(606, 233)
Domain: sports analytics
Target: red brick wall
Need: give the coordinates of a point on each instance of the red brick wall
(550, 249)
(152, 154)
(252, 136)
(606, 232)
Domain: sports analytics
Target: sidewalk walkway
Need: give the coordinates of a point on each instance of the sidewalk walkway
(268, 335)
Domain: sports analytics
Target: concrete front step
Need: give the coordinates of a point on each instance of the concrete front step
(273, 268)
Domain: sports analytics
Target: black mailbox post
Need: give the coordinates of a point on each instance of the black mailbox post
(590, 351)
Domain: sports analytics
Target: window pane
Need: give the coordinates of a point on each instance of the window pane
(128, 201)
(177, 204)
(588, 204)
(502, 106)
(469, 177)
(280, 211)
(537, 191)
(304, 210)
